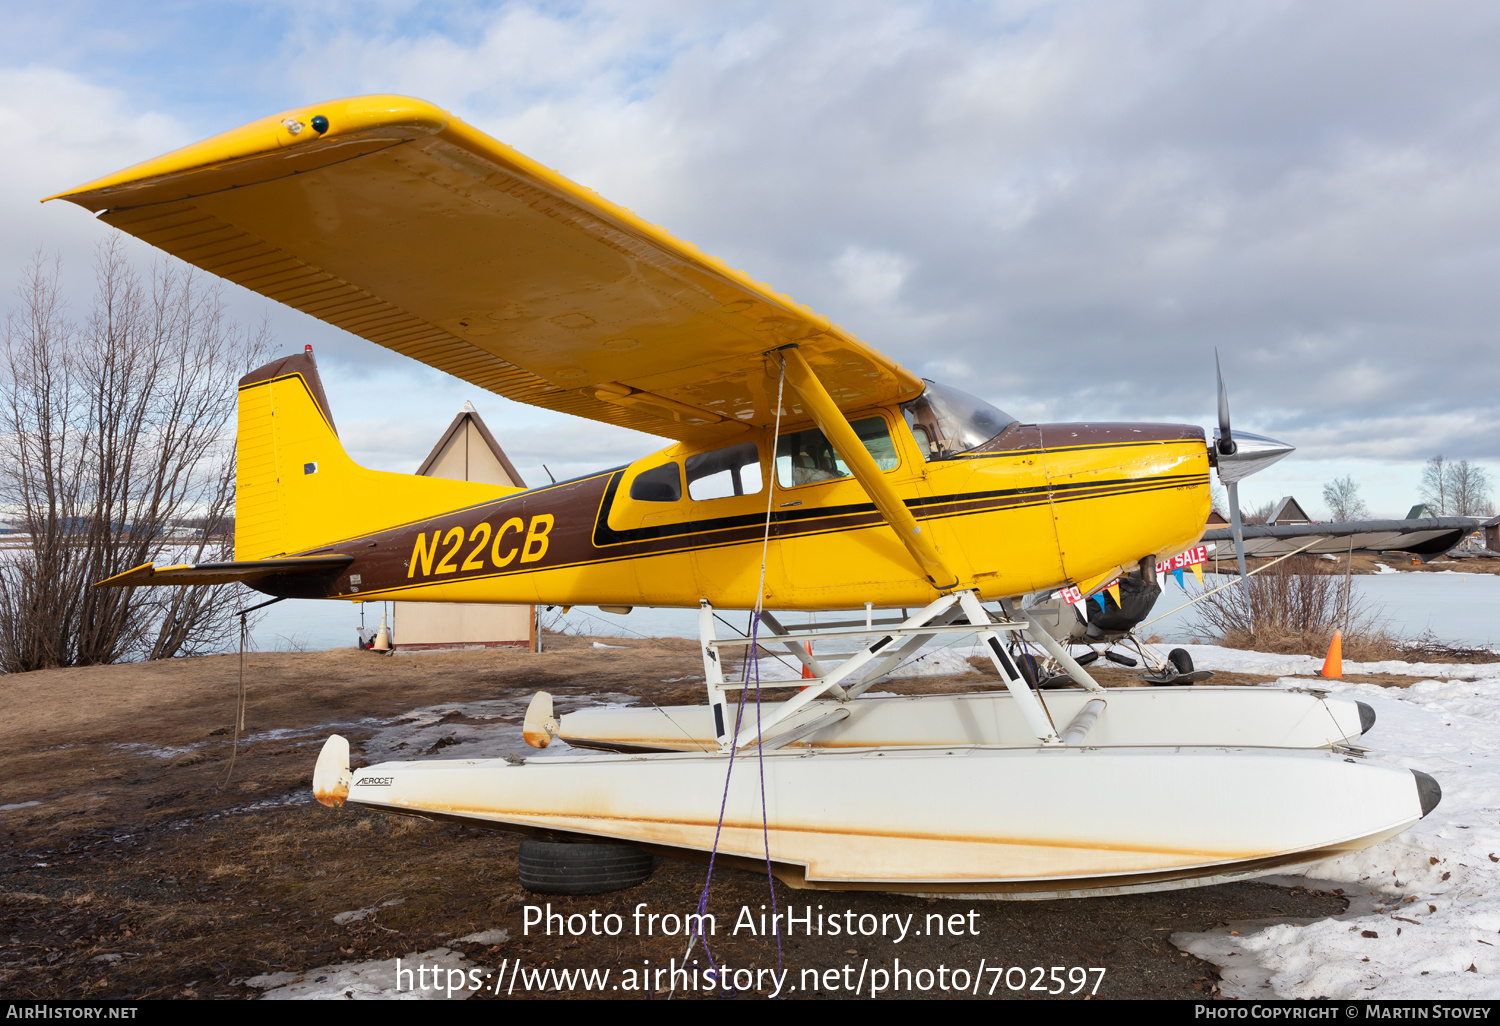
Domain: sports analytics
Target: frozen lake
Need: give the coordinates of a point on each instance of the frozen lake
(1454, 606)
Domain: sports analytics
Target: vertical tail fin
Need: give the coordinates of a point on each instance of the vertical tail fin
(296, 488)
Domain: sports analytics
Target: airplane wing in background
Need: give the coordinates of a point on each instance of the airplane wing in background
(1424, 537)
(394, 220)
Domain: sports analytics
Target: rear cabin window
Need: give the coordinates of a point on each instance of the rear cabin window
(806, 457)
(734, 470)
(659, 484)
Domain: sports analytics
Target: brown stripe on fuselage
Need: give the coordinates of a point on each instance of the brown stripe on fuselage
(580, 533)
(1064, 437)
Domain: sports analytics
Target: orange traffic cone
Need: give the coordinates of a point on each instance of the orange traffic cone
(1333, 666)
(807, 673)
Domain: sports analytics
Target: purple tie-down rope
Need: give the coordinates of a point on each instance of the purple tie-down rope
(760, 756)
(714, 851)
(739, 717)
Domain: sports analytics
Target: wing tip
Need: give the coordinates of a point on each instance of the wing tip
(345, 118)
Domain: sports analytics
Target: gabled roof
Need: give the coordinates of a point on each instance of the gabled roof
(466, 428)
(1288, 511)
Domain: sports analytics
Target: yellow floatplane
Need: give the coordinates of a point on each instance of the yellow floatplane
(807, 472)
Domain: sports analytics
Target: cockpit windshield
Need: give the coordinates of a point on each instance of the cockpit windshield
(946, 422)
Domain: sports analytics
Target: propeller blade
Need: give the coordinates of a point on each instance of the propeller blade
(1262, 453)
(1238, 531)
(1226, 440)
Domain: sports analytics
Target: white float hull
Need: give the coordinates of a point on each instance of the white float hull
(1016, 822)
(1231, 716)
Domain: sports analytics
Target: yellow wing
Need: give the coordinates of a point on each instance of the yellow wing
(396, 221)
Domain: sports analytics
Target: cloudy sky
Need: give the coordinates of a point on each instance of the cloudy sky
(1062, 207)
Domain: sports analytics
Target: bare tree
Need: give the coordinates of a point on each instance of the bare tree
(1341, 495)
(1456, 488)
(116, 436)
(1259, 514)
(1293, 606)
(1434, 488)
(1469, 489)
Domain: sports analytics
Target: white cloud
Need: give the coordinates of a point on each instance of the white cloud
(61, 131)
(871, 277)
(1067, 204)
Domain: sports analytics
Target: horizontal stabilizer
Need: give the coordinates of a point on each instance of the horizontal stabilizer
(240, 572)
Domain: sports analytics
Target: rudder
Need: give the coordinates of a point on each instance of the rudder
(297, 489)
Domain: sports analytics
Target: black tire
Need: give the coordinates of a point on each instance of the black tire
(1086, 658)
(552, 867)
(1120, 657)
(1181, 660)
(1026, 664)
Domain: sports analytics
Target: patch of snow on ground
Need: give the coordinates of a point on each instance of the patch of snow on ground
(489, 938)
(1214, 657)
(374, 980)
(1426, 919)
(359, 914)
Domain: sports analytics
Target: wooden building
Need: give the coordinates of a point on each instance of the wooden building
(466, 452)
(1288, 511)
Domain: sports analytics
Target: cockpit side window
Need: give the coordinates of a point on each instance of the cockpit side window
(733, 470)
(946, 422)
(806, 457)
(659, 484)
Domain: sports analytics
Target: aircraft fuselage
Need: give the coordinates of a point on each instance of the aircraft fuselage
(1036, 507)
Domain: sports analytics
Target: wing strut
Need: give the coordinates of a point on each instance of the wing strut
(835, 427)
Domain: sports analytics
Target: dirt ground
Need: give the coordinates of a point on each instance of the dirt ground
(129, 870)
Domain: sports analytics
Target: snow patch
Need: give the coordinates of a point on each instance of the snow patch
(1425, 920)
(359, 914)
(372, 980)
(489, 938)
(1213, 657)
